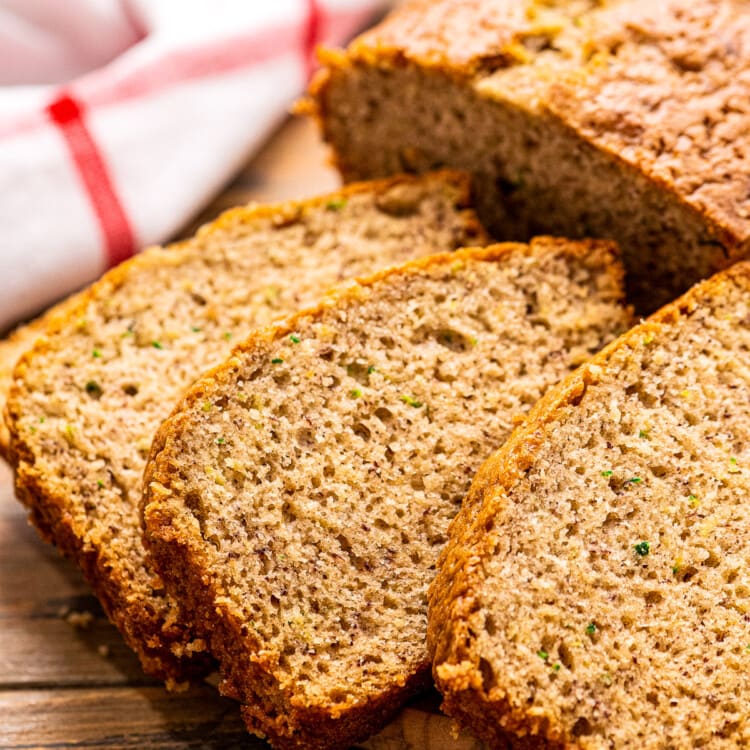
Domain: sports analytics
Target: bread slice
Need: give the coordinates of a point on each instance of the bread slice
(595, 591)
(15, 343)
(297, 498)
(87, 399)
(626, 119)
(11, 349)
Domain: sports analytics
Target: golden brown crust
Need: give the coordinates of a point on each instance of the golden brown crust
(660, 88)
(174, 539)
(675, 70)
(452, 596)
(164, 645)
(446, 36)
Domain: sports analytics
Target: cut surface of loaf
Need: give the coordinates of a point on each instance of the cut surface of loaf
(627, 119)
(298, 496)
(88, 398)
(595, 590)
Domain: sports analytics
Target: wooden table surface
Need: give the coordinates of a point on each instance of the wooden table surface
(66, 677)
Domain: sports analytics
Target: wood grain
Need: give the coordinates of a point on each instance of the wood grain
(107, 717)
(64, 686)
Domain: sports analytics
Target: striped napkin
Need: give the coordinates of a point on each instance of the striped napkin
(119, 119)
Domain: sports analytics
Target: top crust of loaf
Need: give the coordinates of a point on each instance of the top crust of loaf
(659, 86)
(462, 673)
(63, 472)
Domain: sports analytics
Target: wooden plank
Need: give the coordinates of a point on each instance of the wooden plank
(121, 719)
(35, 581)
(50, 652)
(130, 719)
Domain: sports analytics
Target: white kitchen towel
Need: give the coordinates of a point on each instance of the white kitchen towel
(119, 119)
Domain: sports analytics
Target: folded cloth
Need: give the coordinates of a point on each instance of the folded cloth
(119, 119)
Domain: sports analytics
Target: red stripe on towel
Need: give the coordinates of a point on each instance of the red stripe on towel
(103, 88)
(68, 115)
(313, 34)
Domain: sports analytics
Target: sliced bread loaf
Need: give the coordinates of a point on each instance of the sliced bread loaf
(627, 119)
(297, 498)
(595, 592)
(87, 399)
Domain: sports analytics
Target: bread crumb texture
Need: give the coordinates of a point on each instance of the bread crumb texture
(599, 596)
(626, 119)
(299, 495)
(12, 346)
(88, 398)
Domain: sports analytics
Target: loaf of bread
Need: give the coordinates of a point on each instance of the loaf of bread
(297, 498)
(627, 119)
(88, 398)
(595, 589)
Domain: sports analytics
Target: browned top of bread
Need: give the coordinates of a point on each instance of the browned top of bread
(595, 589)
(88, 397)
(297, 497)
(662, 86)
